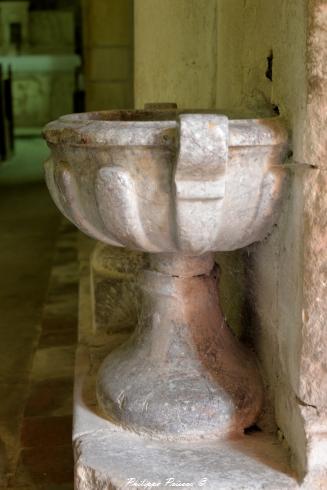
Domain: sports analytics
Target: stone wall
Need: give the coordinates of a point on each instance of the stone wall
(248, 34)
(261, 56)
(174, 49)
(312, 375)
(108, 43)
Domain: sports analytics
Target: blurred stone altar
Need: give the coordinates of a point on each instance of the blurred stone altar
(39, 47)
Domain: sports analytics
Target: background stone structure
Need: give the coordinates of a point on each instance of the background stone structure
(108, 53)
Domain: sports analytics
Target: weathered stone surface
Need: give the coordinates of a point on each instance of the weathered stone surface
(159, 203)
(182, 374)
(121, 461)
(312, 375)
(115, 293)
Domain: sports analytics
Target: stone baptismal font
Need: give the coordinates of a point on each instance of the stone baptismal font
(179, 185)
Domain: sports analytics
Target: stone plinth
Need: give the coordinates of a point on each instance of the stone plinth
(182, 375)
(106, 456)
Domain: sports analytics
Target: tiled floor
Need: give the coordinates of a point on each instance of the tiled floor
(43, 458)
(28, 228)
(46, 457)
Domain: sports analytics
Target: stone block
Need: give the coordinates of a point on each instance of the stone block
(112, 22)
(115, 295)
(108, 63)
(108, 95)
(61, 97)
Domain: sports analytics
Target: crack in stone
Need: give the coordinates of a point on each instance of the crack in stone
(189, 277)
(304, 404)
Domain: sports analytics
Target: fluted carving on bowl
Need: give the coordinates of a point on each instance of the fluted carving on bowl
(116, 186)
(65, 194)
(214, 191)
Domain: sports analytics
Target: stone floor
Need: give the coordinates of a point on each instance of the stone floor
(26, 165)
(38, 328)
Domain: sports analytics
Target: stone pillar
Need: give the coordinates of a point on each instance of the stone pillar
(108, 50)
(182, 375)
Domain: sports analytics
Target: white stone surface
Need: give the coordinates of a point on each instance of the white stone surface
(109, 459)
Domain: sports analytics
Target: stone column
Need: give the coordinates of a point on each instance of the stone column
(108, 38)
(183, 374)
